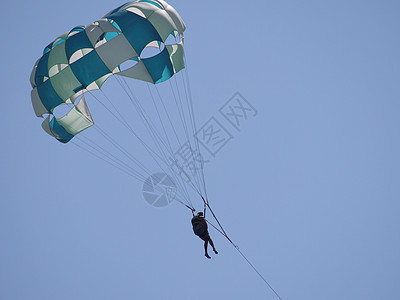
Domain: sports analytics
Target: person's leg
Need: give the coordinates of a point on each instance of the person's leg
(205, 248)
(212, 244)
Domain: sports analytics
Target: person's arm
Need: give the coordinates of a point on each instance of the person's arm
(204, 223)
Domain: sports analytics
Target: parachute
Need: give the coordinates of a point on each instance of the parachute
(84, 58)
(77, 64)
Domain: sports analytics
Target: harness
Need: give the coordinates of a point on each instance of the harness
(199, 226)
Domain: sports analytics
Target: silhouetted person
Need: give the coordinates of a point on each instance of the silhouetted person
(200, 229)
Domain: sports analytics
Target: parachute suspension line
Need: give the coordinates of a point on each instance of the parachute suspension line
(183, 120)
(259, 274)
(194, 130)
(150, 124)
(167, 114)
(190, 207)
(247, 260)
(211, 211)
(153, 133)
(156, 136)
(131, 130)
(107, 154)
(184, 125)
(173, 128)
(141, 111)
(181, 111)
(193, 119)
(196, 140)
(111, 157)
(222, 232)
(122, 168)
(162, 123)
(116, 162)
(104, 155)
(196, 185)
(128, 127)
(113, 142)
(120, 148)
(111, 162)
(121, 115)
(193, 123)
(123, 151)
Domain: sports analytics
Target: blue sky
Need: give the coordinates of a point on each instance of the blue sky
(308, 189)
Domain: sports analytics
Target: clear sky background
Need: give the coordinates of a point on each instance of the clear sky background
(309, 189)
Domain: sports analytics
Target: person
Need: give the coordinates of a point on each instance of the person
(200, 229)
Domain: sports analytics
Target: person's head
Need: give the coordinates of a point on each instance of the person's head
(200, 214)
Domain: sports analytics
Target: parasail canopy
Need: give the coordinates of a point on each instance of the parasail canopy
(82, 60)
